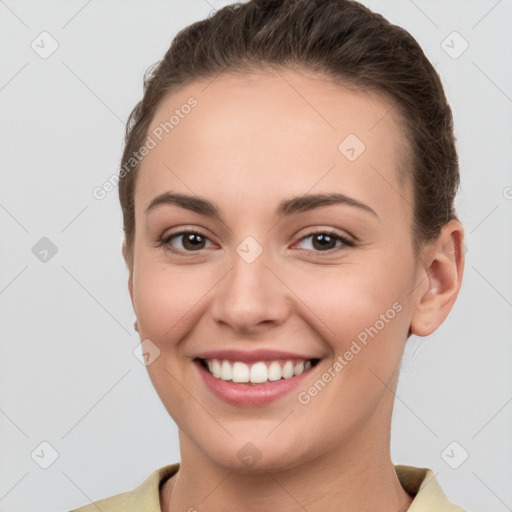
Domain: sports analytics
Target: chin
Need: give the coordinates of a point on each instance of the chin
(257, 457)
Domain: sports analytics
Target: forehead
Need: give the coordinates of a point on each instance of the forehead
(271, 132)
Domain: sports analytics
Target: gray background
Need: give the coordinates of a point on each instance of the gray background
(68, 374)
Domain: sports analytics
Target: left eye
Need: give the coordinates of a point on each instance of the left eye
(323, 241)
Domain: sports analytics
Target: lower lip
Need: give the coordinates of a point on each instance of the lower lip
(242, 394)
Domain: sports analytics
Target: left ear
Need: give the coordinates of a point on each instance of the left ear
(441, 270)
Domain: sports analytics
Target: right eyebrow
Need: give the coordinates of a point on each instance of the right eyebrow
(195, 204)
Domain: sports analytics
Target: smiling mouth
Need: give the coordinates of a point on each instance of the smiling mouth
(256, 373)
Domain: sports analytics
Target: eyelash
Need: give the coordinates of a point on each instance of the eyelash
(165, 241)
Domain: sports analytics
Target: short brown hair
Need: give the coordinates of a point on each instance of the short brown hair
(344, 41)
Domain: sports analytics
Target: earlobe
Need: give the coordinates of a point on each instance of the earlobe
(443, 269)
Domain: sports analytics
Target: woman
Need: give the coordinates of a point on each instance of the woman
(287, 187)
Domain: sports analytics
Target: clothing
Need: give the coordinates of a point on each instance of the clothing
(418, 482)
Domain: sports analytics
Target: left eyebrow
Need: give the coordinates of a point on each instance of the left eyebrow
(311, 201)
(286, 207)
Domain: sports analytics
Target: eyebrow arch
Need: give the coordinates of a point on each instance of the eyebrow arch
(286, 207)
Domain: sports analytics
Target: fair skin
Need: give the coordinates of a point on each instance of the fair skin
(250, 143)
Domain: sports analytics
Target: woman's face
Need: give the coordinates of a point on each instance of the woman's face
(275, 273)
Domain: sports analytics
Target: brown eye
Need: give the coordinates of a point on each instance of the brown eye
(191, 241)
(323, 241)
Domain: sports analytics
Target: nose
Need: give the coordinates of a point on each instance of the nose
(251, 298)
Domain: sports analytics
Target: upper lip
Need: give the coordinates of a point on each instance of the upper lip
(252, 356)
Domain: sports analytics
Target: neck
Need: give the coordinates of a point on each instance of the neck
(358, 476)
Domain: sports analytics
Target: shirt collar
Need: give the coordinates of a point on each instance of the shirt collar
(420, 483)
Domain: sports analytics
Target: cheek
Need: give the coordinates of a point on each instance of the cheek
(364, 324)
(166, 299)
(361, 311)
(166, 302)
(348, 298)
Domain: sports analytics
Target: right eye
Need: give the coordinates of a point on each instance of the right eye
(191, 241)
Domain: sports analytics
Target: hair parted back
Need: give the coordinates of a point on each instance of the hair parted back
(343, 41)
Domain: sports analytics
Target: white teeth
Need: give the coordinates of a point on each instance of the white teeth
(226, 372)
(240, 372)
(216, 368)
(256, 373)
(259, 373)
(274, 371)
(287, 370)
